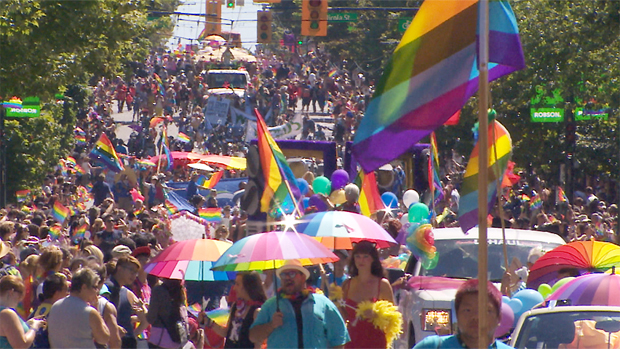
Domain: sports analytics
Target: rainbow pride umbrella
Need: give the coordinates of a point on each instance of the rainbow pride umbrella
(271, 250)
(339, 229)
(585, 256)
(190, 260)
(591, 289)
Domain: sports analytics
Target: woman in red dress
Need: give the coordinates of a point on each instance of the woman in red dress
(367, 283)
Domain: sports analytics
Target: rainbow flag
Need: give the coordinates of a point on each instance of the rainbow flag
(561, 195)
(435, 186)
(432, 74)
(183, 137)
(332, 73)
(170, 207)
(60, 212)
(212, 215)
(79, 169)
(160, 84)
(499, 140)
(26, 209)
(211, 182)
(276, 172)
(203, 34)
(80, 232)
(80, 140)
(369, 200)
(14, 102)
(144, 163)
(104, 152)
(169, 159)
(55, 231)
(70, 160)
(22, 195)
(219, 315)
(535, 202)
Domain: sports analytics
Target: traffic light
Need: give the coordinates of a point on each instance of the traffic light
(314, 17)
(230, 3)
(570, 133)
(263, 34)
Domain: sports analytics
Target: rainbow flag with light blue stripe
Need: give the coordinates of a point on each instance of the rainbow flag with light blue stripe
(432, 74)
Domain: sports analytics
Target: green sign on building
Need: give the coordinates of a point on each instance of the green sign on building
(582, 114)
(342, 17)
(403, 24)
(31, 108)
(547, 114)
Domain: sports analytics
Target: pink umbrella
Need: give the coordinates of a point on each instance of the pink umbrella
(339, 229)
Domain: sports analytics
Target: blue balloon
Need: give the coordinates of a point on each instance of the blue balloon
(304, 203)
(389, 199)
(303, 186)
(505, 299)
(529, 298)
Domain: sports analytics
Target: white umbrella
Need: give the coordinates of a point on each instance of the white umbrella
(201, 166)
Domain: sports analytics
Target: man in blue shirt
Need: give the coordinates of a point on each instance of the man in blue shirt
(466, 306)
(298, 318)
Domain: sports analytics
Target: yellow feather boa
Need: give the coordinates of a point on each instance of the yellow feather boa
(386, 317)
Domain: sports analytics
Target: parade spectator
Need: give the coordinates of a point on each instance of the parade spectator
(15, 332)
(167, 311)
(101, 190)
(107, 239)
(280, 318)
(466, 306)
(73, 322)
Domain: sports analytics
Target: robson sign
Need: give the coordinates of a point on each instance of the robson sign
(547, 114)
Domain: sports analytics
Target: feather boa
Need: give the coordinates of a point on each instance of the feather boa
(386, 317)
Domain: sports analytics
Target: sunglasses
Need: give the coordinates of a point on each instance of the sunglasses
(288, 274)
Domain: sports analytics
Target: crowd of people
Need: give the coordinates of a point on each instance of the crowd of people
(80, 281)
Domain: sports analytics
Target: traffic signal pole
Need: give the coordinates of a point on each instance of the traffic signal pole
(2, 159)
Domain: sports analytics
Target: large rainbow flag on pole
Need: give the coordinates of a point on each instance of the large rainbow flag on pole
(432, 74)
(280, 183)
(500, 144)
(104, 152)
(370, 199)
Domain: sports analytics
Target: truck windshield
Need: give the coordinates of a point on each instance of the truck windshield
(459, 258)
(226, 80)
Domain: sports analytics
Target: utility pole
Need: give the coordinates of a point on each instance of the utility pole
(2, 159)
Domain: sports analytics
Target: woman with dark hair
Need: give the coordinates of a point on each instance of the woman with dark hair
(367, 283)
(166, 310)
(14, 332)
(55, 288)
(250, 297)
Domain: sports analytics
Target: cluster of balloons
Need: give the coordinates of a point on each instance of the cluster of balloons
(513, 308)
(545, 290)
(420, 238)
(333, 188)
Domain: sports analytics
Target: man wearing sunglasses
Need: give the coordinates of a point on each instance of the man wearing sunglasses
(298, 318)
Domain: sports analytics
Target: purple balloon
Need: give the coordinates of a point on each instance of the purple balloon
(340, 178)
(316, 201)
(505, 324)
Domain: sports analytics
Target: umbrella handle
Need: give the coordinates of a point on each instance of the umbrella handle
(275, 286)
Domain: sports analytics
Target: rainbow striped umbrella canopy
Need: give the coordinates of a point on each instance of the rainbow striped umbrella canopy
(339, 229)
(271, 250)
(190, 260)
(591, 289)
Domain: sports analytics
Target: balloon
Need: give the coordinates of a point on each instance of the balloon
(516, 305)
(418, 212)
(304, 203)
(561, 283)
(389, 199)
(322, 185)
(303, 186)
(340, 178)
(505, 299)
(429, 264)
(316, 201)
(529, 298)
(410, 197)
(404, 219)
(506, 321)
(337, 197)
(544, 290)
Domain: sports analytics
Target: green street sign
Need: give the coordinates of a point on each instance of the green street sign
(342, 17)
(403, 24)
(582, 114)
(31, 108)
(547, 114)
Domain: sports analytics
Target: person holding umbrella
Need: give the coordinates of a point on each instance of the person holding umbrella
(298, 318)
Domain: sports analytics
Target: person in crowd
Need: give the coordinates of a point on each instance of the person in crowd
(55, 288)
(127, 304)
(166, 312)
(466, 306)
(108, 238)
(74, 322)
(221, 233)
(101, 190)
(290, 319)
(15, 332)
(367, 283)
(352, 195)
(329, 282)
(250, 296)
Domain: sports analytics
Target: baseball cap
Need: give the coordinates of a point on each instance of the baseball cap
(293, 264)
(120, 251)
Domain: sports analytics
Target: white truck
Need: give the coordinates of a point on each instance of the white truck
(427, 299)
(226, 81)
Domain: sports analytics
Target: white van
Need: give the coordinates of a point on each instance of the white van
(222, 82)
(428, 309)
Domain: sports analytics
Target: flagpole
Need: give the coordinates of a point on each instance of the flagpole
(161, 149)
(483, 164)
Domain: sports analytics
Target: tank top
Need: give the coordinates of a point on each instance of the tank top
(4, 342)
(241, 327)
(69, 325)
(363, 333)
